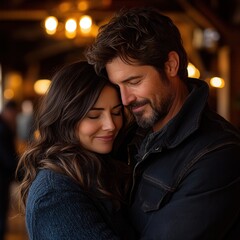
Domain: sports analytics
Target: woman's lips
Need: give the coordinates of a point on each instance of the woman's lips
(108, 138)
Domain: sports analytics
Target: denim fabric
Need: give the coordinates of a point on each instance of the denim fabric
(187, 176)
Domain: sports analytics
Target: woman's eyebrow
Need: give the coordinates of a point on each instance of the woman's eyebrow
(119, 105)
(95, 108)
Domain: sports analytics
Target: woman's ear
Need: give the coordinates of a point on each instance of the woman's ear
(172, 65)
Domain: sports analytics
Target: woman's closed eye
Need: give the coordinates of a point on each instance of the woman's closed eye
(117, 113)
(93, 117)
(96, 116)
(96, 113)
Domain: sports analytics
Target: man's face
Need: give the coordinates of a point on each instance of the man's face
(143, 91)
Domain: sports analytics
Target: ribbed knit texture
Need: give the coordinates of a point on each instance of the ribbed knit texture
(57, 209)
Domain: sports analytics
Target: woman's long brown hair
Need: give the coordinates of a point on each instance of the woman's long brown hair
(73, 92)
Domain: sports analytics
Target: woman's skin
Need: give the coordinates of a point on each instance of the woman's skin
(102, 123)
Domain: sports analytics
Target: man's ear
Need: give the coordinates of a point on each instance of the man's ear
(172, 65)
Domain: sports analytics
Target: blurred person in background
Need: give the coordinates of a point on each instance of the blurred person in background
(25, 121)
(8, 158)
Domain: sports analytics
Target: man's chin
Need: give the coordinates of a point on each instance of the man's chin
(142, 122)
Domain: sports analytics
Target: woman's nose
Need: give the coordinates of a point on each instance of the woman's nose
(108, 124)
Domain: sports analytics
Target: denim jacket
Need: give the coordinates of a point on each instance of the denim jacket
(186, 181)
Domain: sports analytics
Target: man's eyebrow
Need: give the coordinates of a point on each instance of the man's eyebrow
(94, 108)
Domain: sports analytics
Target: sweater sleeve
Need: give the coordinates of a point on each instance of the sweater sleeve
(65, 213)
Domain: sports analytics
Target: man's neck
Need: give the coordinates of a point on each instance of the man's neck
(181, 96)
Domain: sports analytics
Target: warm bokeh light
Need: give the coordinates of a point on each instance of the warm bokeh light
(51, 24)
(14, 80)
(41, 86)
(70, 28)
(70, 35)
(217, 82)
(193, 71)
(71, 25)
(36, 134)
(12, 85)
(83, 5)
(65, 6)
(8, 94)
(85, 22)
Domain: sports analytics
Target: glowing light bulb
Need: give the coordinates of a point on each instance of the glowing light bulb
(217, 82)
(193, 71)
(85, 22)
(41, 86)
(51, 24)
(71, 25)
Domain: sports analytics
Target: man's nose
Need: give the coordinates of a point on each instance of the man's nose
(126, 96)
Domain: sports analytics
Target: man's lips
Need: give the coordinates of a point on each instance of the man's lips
(137, 108)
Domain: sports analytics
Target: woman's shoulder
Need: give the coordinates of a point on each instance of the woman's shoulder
(50, 182)
(58, 207)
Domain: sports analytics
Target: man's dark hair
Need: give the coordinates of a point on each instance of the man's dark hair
(140, 36)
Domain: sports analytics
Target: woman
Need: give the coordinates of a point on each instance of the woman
(71, 188)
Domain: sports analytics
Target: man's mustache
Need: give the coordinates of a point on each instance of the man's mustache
(138, 104)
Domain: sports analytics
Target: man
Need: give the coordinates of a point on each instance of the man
(8, 158)
(187, 168)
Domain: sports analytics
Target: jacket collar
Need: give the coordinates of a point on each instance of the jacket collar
(185, 122)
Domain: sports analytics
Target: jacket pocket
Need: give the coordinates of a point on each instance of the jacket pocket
(152, 193)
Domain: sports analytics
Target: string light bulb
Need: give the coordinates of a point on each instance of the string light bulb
(70, 28)
(51, 24)
(85, 23)
(193, 71)
(41, 86)
(217, 82)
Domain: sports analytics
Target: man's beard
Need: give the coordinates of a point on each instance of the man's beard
(158, 113)
(146, 122)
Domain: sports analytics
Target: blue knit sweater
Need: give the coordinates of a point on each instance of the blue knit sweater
(57, 208)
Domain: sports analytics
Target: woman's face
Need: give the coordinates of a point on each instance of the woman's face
(102, 123)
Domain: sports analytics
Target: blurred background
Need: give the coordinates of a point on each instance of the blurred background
(39, 36)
